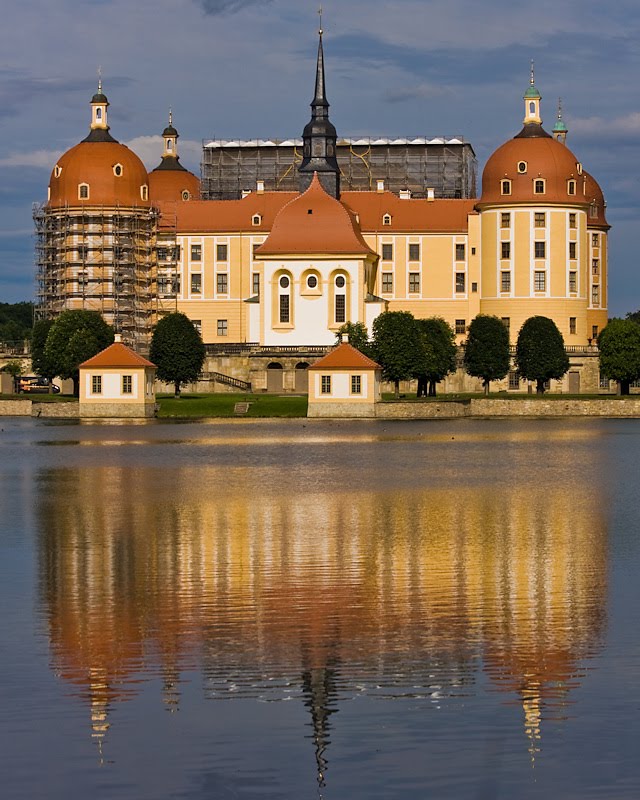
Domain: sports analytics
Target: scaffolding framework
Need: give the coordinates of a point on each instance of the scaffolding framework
(448, 166)
(98, 259)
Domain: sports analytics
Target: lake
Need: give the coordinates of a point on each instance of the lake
(320, 609)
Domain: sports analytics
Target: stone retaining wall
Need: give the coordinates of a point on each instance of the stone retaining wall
(481, 407)
(422, 410)
(15, 408)
(57, 410)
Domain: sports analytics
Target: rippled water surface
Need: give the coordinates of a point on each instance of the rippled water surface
(300, 609)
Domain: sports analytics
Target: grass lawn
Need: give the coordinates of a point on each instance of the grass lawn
(223, 405)
(36, 397)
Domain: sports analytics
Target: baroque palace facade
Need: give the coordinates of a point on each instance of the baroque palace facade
(269, 277)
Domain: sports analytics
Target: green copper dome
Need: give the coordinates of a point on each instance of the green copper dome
(532, 92)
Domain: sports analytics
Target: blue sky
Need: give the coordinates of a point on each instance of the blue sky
(245, 68)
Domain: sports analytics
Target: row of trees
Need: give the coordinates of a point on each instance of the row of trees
(425, 349)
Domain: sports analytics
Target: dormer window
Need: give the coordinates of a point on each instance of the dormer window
(256, 219)
(118, 170)
(522, 167)
(579, 168)
(538, 186)
(571, 187)
(144, 192)
(186, 195)
(386, 219)
(505, 187)
(57, 171)
(83, 191)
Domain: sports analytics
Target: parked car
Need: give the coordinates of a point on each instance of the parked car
(34, 384)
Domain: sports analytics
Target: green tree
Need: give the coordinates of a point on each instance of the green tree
(397, 346)
(486, 353)
(619, 345)
(177, 350)
(634, 316)
(41, 366)
(15, 321)
(540, 353)
(357, 335)
(438, 356)
(74, 337)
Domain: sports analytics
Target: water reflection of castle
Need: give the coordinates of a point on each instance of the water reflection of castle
(315, 593)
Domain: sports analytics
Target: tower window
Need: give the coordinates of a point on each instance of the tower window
(414, 252)
(540, 219)
(144, 192)
(505, 281)
(386, 219)
(573, 281)
(539, 281)
(387, 282)
(256, 219)
(595, 240)
(460, 282)
(538, 186)
(117, 170)
(505, 220)
(505, 187)
(169, 144)
(572, 325)
(461, 326)
(186, 195)
(572, 221)
(57, 170)
(572, 249)
(539, 249)
(571, 187)
(222, 253)
(506, 249)
(460, 249)
(83, 191)
(522, 167)
(414, 282)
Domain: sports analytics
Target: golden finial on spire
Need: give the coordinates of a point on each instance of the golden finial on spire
(99, 80)
(320, 15)
(170, 116)
(559, 108)
(532, 78)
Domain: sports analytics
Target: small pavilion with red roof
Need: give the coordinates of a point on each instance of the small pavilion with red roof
(117, 382)
(344, 383)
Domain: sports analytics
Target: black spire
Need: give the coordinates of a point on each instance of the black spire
(319, 139)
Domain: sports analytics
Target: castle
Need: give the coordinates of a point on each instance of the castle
(270, 276)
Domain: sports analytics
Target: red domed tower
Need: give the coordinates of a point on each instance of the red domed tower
(544, 232)
(95, 233)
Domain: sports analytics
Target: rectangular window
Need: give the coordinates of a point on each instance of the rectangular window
(164, 285)
(222, 327)
(96, 384)
(573, 281)
(83, 252)
(572, 221)
(506, 321)
(255, 247)
(506, 249)
(538, 186)
(196, 252)
(572, 249)
(474, 287)
(221, 252)
(604, 381)
(284, 308)
(514, 380)
(505, 281)
(325, 384)
(540, 249)
(595, 295)
(505, 187)
(595, 266)
(595, 240)
(572, 324)
(460, 252)
(539, 281)
(127, 384)
(162, 254)
(461, 326)
(84, 191)
(460, 282)
(571, 187)
(387, 252)
(387, 282)
(341, 308)
(356, 384)
(222, 283)
(255, 283)
(540, 219)
(594, 331)
(505, 220)
(197, 324)
(196, 283)
(414, 252)
(414, 282)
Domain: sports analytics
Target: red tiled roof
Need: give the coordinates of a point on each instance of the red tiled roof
(345, 356)
(315, 222)
(204, 216)
(117, 355)
(450, 216)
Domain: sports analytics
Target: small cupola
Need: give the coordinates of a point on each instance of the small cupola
(532, 99)
(170, 138)
(99, 105)
(560, 130)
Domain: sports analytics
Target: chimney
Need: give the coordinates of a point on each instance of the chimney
(380, 186)
(430, 195)
(260, 187)
(246, 193)
(117, 337)
(405, 194)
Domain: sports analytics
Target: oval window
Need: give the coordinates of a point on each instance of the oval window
(340, 281)
(522, 167)
(284, 282)
(185, 195)
(312, 281)
(117, 170)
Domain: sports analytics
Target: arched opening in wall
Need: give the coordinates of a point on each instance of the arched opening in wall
(301, 381)
(275, 375)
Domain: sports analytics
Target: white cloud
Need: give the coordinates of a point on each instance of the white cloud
(44, 159)
(149, 149)
(628, 124)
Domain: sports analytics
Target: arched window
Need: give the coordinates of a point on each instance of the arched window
(284, 299)
(83, 191)
(144, 192)
(386, 219)
(340, 299)
(505, 187)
